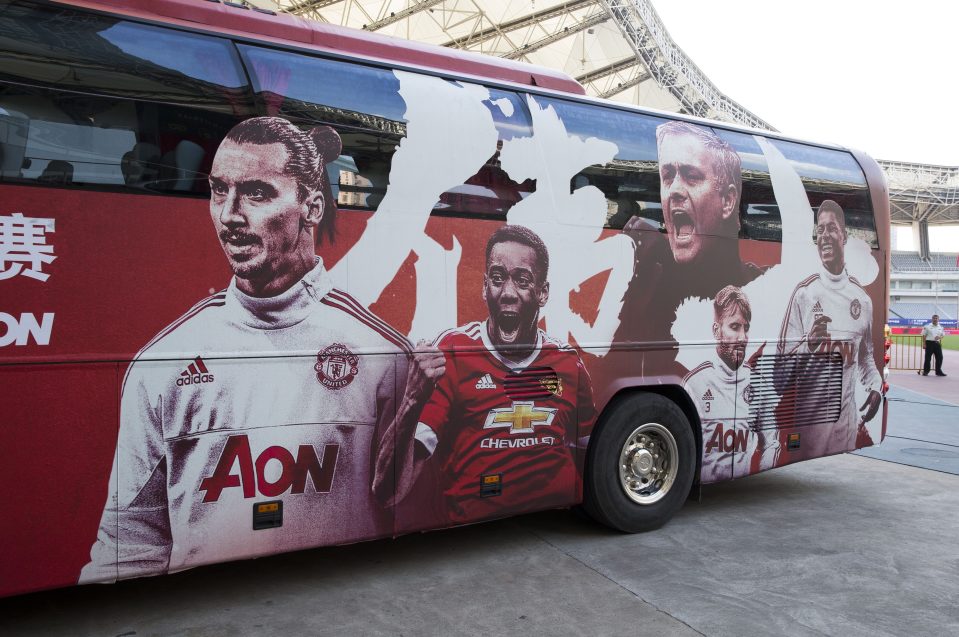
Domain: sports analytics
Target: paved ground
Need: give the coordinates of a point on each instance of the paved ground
(923, 426)
(945, 388)
(847, 545)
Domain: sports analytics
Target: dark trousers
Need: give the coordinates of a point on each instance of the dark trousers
(933, 348)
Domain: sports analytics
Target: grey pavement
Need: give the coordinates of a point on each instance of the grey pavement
(923, 425)
(845, 545)
(945, 388)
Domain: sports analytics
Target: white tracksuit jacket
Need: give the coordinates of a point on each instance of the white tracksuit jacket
(245, 400)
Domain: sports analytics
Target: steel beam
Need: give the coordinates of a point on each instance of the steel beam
(526, 49)
(526, 21)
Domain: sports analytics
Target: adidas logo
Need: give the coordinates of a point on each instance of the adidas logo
(708, 395)
(485, 382)
(817, 307)
(195, 374)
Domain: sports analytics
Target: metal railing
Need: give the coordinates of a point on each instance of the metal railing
(907, 352)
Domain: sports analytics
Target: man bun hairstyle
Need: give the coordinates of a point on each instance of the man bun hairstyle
(310, 151)
(729, 299)
(526, 237)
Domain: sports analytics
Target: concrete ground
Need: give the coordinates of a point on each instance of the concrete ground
(856, 544)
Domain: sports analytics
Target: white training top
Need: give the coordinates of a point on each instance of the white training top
(245, 400)
(733, 443)
(842, 299)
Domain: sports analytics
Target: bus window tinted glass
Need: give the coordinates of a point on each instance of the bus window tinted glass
(53, 46)
(835, 175)
(368, 115)
(759, 216)
(630, 182)
(491, 192)
(297, 85)
(370, 119)
(69, 139)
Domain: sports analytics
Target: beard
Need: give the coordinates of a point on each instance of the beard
(733, 354)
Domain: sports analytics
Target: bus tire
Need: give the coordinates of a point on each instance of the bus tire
(640, 464)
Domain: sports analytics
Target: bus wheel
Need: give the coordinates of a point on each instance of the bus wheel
(640, 465)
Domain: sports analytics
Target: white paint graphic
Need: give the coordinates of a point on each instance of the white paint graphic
(769, 293)
(570, 224)
(23, 242)
(449, 134)
(18, 331)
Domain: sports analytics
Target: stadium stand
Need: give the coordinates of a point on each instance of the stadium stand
(922, 310)
(938, 262)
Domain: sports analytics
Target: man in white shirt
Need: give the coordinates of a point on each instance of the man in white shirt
(272, 394)
(932, 333)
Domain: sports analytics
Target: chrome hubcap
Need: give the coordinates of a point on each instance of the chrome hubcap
(648, 463)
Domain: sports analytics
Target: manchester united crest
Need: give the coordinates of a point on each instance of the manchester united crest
(336, 366)
(552, 384)
(855, 309)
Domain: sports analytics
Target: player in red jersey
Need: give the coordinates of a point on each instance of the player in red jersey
(502, 400)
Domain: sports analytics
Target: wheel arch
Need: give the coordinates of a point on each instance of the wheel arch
(672, 391)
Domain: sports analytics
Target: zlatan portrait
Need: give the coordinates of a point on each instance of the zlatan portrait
(258, 392)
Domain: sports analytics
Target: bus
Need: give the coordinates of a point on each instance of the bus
(270, 285)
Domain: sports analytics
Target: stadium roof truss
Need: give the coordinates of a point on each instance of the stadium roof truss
(920, 192)
(617, 49)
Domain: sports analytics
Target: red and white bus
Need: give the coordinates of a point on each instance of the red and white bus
(270, 285)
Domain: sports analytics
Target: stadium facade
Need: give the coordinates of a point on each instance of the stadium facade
(922, 287)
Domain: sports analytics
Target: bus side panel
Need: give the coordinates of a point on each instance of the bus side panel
(58, 435)
(124, 266)
(115, 270)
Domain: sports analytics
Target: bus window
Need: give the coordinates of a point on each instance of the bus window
(96, 101)
(759, 216)
(834, 174)
(303, 87)
(491, 192)
(59, 47)
(59, 138)
(368, 116)
(630, 181)
(370, 119)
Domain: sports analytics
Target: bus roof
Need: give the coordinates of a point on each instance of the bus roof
(238, 20)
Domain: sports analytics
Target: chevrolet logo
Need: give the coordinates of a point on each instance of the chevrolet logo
(520, 418)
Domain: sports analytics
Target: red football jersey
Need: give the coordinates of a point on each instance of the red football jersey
(520, 421)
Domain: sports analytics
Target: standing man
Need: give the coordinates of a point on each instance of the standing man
(700, 187)
(507, 403)
(261, 392)
(932, 333)
(723, 391)
(830, 314)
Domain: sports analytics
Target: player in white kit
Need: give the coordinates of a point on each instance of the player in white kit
(276, 389)
(830, 315)
(734, 445)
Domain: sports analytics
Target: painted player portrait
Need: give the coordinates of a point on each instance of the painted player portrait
(504, 401)
(829, 323)
(279, 405)
(700, 177)
(723, 390)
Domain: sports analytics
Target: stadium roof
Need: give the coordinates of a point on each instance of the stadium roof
(617, 49)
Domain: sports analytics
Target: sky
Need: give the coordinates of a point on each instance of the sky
(879, 76)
